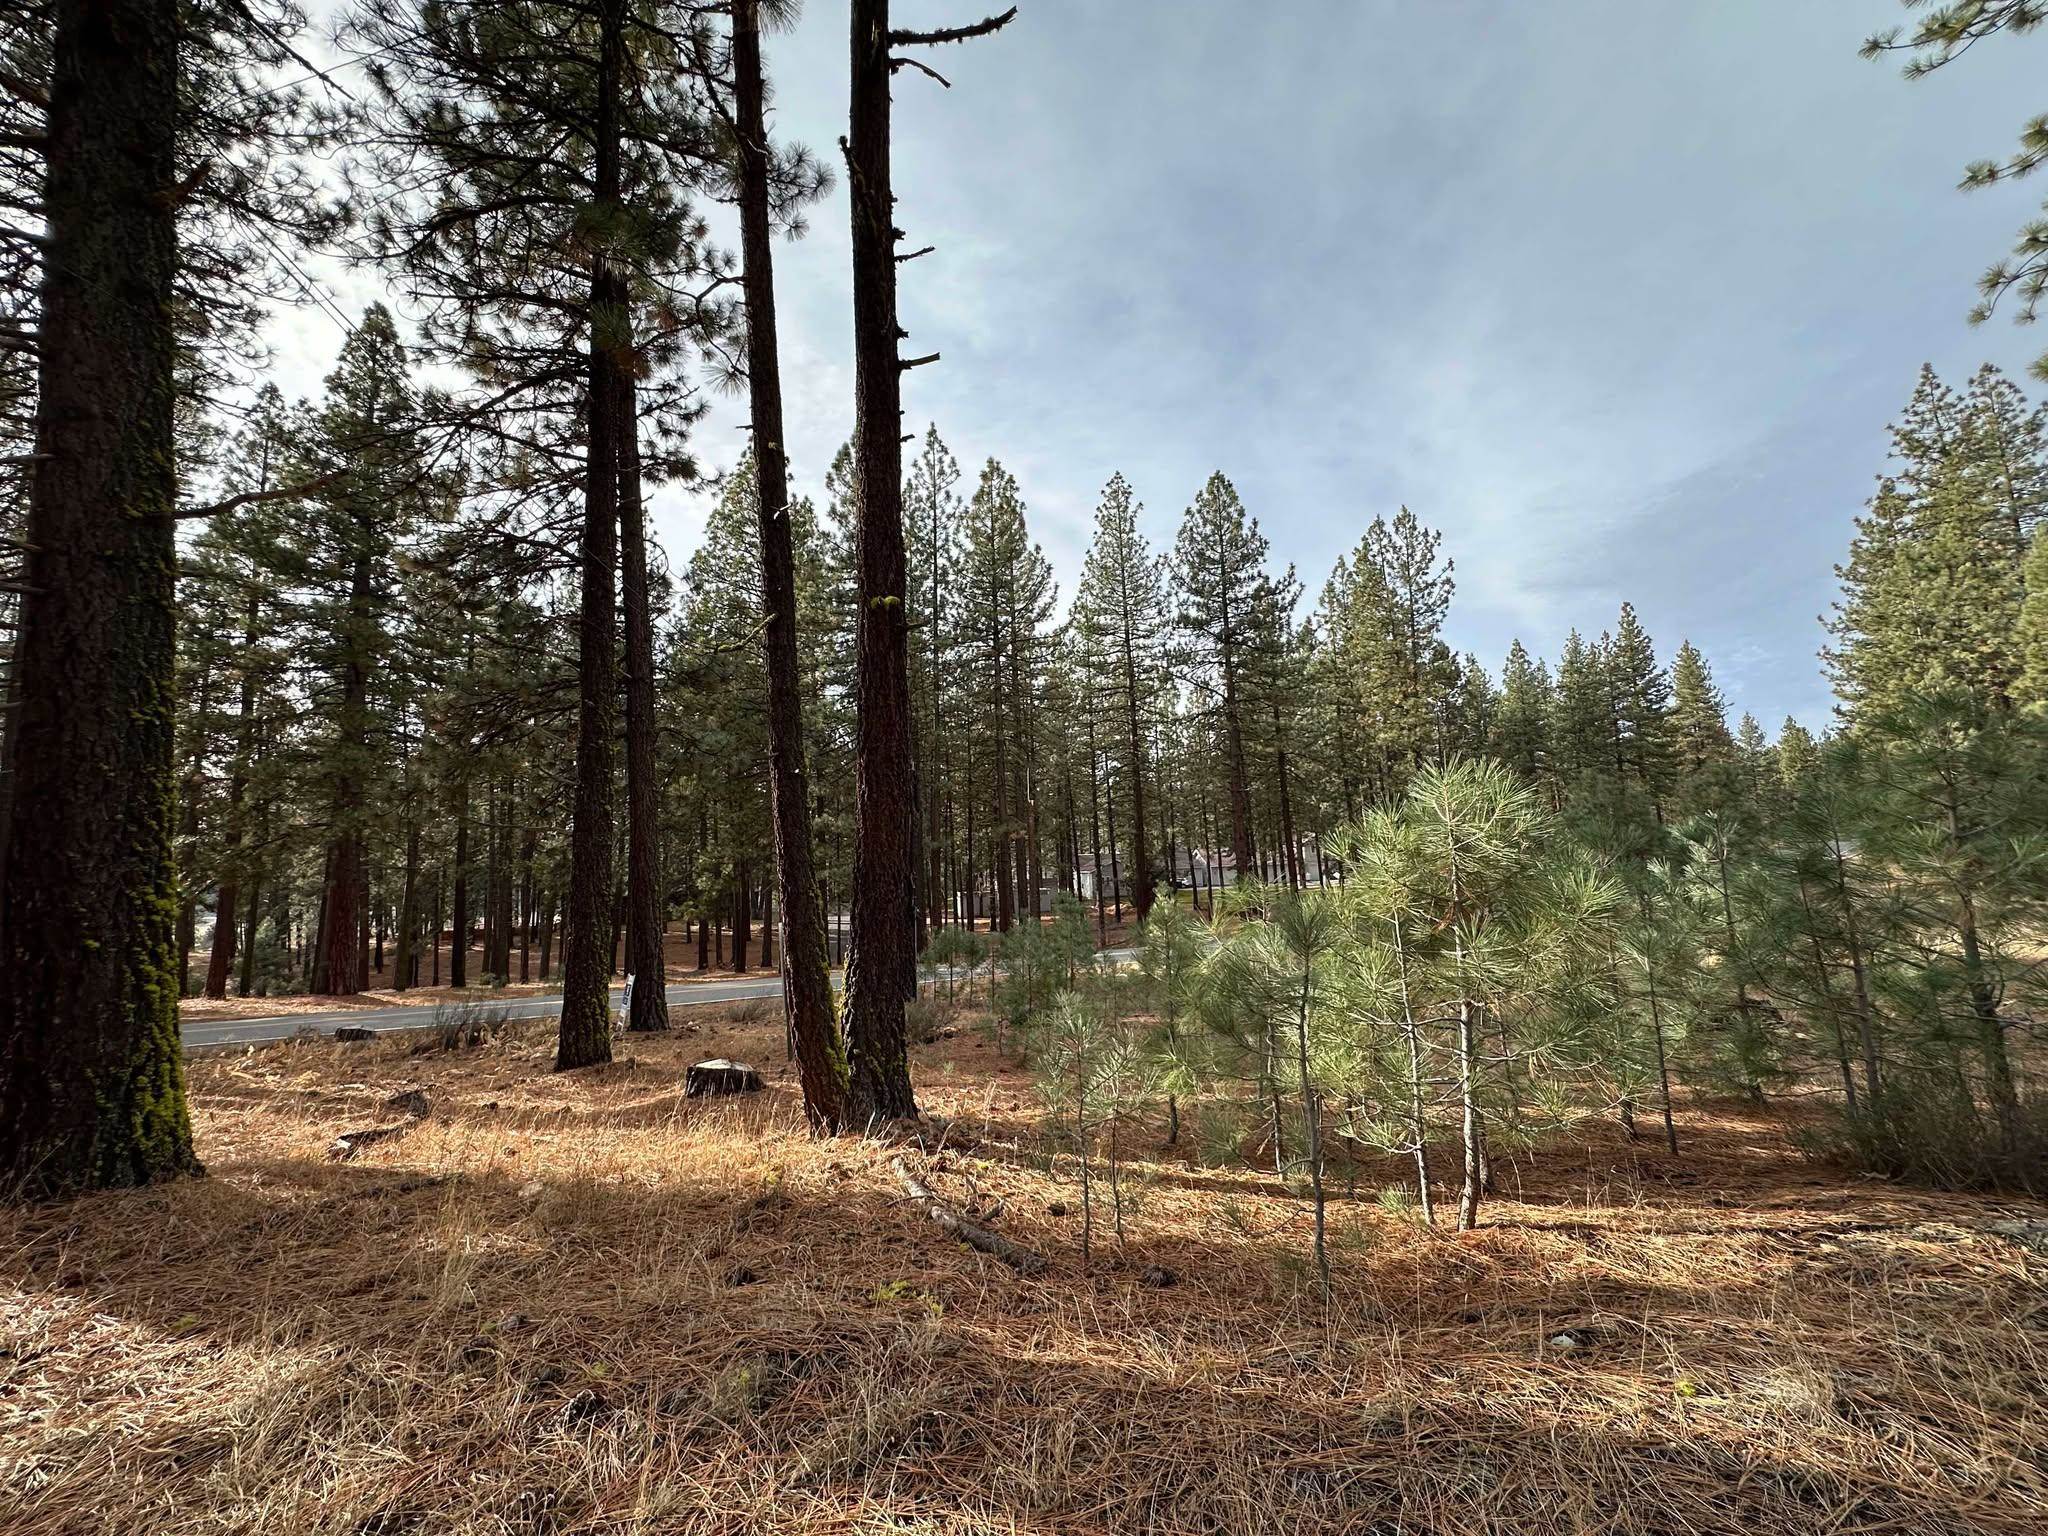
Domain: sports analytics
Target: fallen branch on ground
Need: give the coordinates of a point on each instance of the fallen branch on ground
(994, 1244)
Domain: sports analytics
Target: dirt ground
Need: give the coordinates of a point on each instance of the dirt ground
(584, 1303)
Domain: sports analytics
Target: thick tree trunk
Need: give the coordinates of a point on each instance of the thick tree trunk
(245, 979)
(338, 963)
(220, 959)
(586, 1024)
(92, 1089)
(882, 972)
(742, 920)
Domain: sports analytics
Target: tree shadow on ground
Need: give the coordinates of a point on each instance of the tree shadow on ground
(596, 1306)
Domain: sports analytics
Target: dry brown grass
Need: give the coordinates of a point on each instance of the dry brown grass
(584, 1304)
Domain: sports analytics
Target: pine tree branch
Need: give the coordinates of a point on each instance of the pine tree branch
(953, 34)
(248, 498)
(920, 65)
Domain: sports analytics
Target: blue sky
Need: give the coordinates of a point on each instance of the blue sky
(1619, 294)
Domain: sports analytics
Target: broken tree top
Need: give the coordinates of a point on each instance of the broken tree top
(720, 1076)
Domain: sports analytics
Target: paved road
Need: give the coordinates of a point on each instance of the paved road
(283, 1026)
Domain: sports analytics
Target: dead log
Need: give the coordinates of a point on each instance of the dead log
(349, 1143)
(975, 1236)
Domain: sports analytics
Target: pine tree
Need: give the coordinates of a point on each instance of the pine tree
(348, 552)
(551, 128)
(1350, 628)
(2030, 632)
(1639, 709)
(1959, 802)
(91, 1077)
(807, 988)
(234, 596)
(882, 975)
(1796, 757)
(932, 514)
(1944, 33)
(1755, 760)
(1702, 748)
(1523, 719)
(1420, 667)
(1004, 603)
(1120, 616)
(1581, 727)
(1221, 584)
(1932, 588)
(1483, 938)
(1472, 715)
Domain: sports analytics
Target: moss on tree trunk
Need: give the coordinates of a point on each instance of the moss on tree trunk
(92, 1088)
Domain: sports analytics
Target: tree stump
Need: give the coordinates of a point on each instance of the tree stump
(708, 1078)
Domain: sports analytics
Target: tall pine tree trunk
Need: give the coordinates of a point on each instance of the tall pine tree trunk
(806, 968)
(644, 958)
(586, 1025)
(405, 962)
(245, 981)
(458, 923)
(92, 1090)
(221, 962)
(1095, 834)
(1141, 860)
(882, 971)
(1243, 851)
(337, 966)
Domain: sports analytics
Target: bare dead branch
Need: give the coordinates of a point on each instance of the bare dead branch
(980, 1238)
(918, 64)
(980, 28)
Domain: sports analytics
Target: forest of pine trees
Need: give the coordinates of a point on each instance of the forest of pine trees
(374, 740)
(854, 1020)
(439, 710)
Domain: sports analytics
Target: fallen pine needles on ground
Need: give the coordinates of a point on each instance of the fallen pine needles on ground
(582, 1303)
